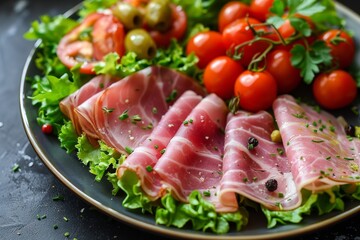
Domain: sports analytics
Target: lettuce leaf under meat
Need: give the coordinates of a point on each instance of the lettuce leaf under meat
(313, 203)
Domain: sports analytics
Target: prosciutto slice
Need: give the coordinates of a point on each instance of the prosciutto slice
(144, 157)
(246, 170)
(124, 114)
(320, 153)
(193, 158)
(68, 104)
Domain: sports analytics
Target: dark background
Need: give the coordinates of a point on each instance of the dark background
(30, 191)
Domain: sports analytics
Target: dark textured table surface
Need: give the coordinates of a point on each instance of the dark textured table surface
(29, 192)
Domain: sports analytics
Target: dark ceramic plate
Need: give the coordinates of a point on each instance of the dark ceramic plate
(76, 176)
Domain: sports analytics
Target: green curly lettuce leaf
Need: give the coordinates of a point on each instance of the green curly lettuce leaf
(100, 160)
(135, 197)
(320, 203)
(91, 6)
(68, 137)
(200, 213)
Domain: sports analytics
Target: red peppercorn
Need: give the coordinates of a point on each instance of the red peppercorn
(47, 128)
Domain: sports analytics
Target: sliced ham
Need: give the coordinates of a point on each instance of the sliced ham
(193, 158)
(95, 85)
(144, 157)
(320, 153)
(124, 114)
(247, 170)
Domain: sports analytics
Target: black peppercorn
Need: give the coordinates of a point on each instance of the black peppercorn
(350, 130)
(271, 185)
(252, 143)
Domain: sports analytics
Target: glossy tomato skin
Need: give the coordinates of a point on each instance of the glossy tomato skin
(220, 76)
(342, 50)
(239, 32)
(278, 64)
(206, 46)
(108, 36)
(71, 47)
(176, 31)
(260, 9)
(47, 128)
(335, 89)
(256, 90)
(230, 12)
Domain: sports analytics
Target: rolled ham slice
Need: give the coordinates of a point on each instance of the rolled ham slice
(144, 157)
(248, 169)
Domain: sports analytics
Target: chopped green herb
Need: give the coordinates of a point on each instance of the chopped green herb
(355, 110)
(154, 110)
(67, 234)
(280, 151)
(332, 129)
(135, 119)
(124, 115)
(317, 141)
(280, 195)
(16, 167)
(328, 158)
(186, 122)
(315, 130)
(348, 159)
(149, 168)
(245, 179)
(129, 150)
(307, 125)
(314, 124)
(172, 96)
(299, 115)
(55, 226)
(65, 219)
(163, 151)
(255, 179)
(156, 146)
(191, 120)
(207, 193)
(108, 110)
(58, 198)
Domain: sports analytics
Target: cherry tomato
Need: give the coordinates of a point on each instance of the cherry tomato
(342, 47)
(206, 46)
(260, 9)
(239, 32)
(70, 48)
(220, 76)
(230, 12)
(108, 36)
(335, 89)
(256, 90)
(176, 31)
(47, 128)
(278, 64)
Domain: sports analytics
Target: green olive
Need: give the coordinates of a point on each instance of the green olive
(128, 15)
(158, 15)
(140, 42)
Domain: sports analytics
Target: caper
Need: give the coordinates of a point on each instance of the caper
(271, 185)
(128, 15)
(140, 42)
(158, 15)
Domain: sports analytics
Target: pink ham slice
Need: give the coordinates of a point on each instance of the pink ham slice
(89, 89)
(147, 154)
(193, 158)
(246, 171)
(320, 153)
(124, 114)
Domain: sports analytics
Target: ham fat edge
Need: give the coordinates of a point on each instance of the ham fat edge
(191, 141)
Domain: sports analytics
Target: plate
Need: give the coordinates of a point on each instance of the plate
(73, 174)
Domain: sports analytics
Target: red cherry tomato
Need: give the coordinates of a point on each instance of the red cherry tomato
(176, 31)
(220, 76)
(239, 32)
(47, 128)
(206, 46)
(230, 12)
(334, 90)
(260, 9)
(342, 47)
(72, 51)
(256, 90)
(108, 36)
(278, 64)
